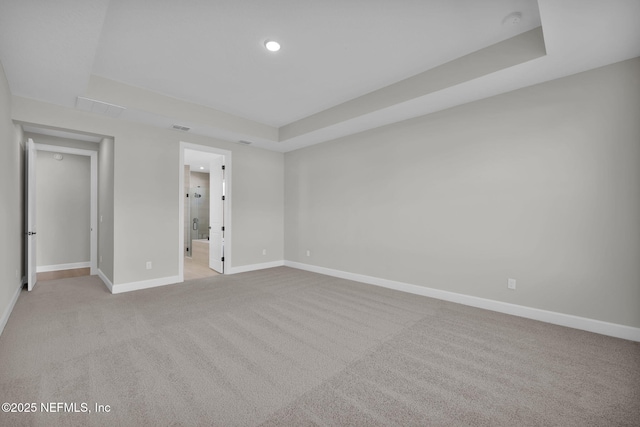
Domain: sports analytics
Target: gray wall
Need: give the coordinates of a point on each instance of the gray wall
(146, 201)
(11, 201)
(63, 202)
(261, 209)
(540, 184)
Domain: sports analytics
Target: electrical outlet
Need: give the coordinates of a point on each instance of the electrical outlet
(149, 265)
(308, 252)
(511, 284)
(264, 252)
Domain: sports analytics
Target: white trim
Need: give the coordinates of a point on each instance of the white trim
(144, 284)
(105, 280)
(93, 209)
(59, 267)
(253, 267)
(571, 321)
(227, 205)
(9, 309)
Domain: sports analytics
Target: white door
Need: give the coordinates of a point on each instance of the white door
(30, 213)
(216, 215)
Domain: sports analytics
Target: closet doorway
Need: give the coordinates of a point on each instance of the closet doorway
(67, 183)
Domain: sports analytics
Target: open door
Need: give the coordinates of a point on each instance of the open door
(216, 215)
(30, 213)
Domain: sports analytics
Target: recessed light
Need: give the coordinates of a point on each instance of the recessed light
(201, 167)
(272, 46)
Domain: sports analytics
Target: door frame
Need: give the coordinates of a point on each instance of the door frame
(93, 209)
(226, 154)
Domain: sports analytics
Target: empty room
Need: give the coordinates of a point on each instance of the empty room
(320, 213)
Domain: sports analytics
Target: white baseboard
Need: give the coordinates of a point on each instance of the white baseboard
(571, 321)
(144, 284)
(105, 280)
(7, 312)
(59, 267)
(253, 267)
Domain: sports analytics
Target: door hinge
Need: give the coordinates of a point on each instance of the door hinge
(222, 259)
(222, 167)
(222, 228)
(222, 197)
(187, 194)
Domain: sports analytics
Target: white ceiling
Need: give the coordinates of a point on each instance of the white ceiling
(209, 54)
(212, 53)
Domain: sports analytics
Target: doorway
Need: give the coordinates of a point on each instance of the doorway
(204, 211)
(58, 153)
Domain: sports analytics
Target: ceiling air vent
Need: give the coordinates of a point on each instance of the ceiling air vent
(244, 142)
(181, 128)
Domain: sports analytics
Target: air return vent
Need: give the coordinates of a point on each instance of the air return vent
(99, 107)
(181, 128)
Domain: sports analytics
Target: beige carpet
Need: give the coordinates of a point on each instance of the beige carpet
(293, 348)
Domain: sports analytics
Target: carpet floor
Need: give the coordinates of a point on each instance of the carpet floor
(284, 347)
